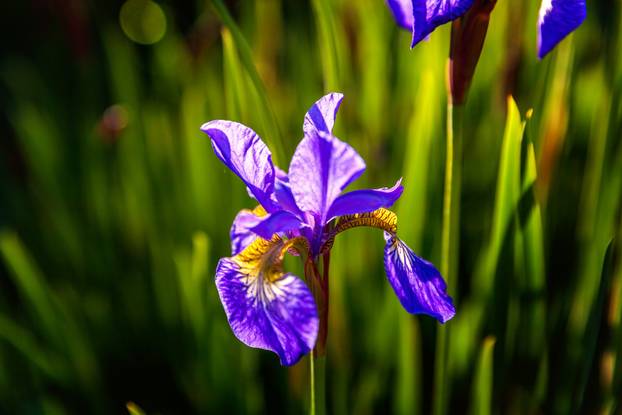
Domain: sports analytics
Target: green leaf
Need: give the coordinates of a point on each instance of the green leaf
(481, 397)
(506, 199)
(271, 128)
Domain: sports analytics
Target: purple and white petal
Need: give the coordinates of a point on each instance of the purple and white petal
(402, 11)
(241, 149)
(241, 233)
(557, 18)
(365, 200)
(429, 14)
(267, 309)
(416, 282)
(273, 223)
(321, 116)
(321, 168)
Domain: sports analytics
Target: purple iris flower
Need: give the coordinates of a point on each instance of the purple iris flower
(300, 212)
(557, 18)
(423, 16)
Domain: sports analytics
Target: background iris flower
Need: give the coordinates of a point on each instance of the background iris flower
(557, 18)
(301, 212)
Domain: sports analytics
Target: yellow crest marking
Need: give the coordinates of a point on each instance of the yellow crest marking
(381, 218)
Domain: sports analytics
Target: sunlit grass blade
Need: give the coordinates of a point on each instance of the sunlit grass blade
(192, 274)
(235, 84)
(506, 200)
(530, 287)
(483, 384)
(374, 64)
(327, 40)
(272, 131)
(414, 207)
(134, 409)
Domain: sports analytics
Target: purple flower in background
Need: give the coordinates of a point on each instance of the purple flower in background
(557, 18)
(423, 16)
(300, 212)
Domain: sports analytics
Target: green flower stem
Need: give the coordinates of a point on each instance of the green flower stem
(449, 246)
(317, 384)
(312, 383)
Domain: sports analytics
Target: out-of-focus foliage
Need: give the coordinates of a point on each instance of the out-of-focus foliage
(114, 211)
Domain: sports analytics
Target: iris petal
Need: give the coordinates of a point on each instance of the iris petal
(280, 221)
(241, 149)
(416, 282)
(285, 197)
(402, 11)
(557, 18)
(321, 116)
(321, 168)
(365, 200)
(266, 308)
(241, 230)
(429, 14)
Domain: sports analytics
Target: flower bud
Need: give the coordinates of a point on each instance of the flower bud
(467, 39)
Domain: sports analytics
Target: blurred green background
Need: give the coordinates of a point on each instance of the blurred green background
(114, 211)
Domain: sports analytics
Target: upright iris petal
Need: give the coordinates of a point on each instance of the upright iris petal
(416, 282)
(557, 18)
(266, 308)
(321, 168)
(321, 116)
(241, 149)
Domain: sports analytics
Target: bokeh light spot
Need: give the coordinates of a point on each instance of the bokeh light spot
(143, 21)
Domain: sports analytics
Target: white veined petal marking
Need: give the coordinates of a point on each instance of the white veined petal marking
(261, 264)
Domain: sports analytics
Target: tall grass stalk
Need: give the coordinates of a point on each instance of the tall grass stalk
(449, 243)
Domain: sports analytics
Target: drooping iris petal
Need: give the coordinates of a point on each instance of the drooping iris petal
(416, 282)
(241, 233)
(321, 116)
(429, 14)
(266, 308)
(402, 11)
(365, 200)
(279, 221)
(241, 149)
(321, 168)
(557, 18)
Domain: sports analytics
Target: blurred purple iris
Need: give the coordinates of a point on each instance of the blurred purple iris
(557, 18)
(300, 212)
(423, 16)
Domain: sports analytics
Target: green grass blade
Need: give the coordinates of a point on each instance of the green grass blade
(506, 199)
(31, 284)
(235, 83)
(273, 133)
(482, 392)
(324, 16)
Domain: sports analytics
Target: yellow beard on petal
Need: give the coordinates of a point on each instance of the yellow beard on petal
(381, 218)
(261, 264)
